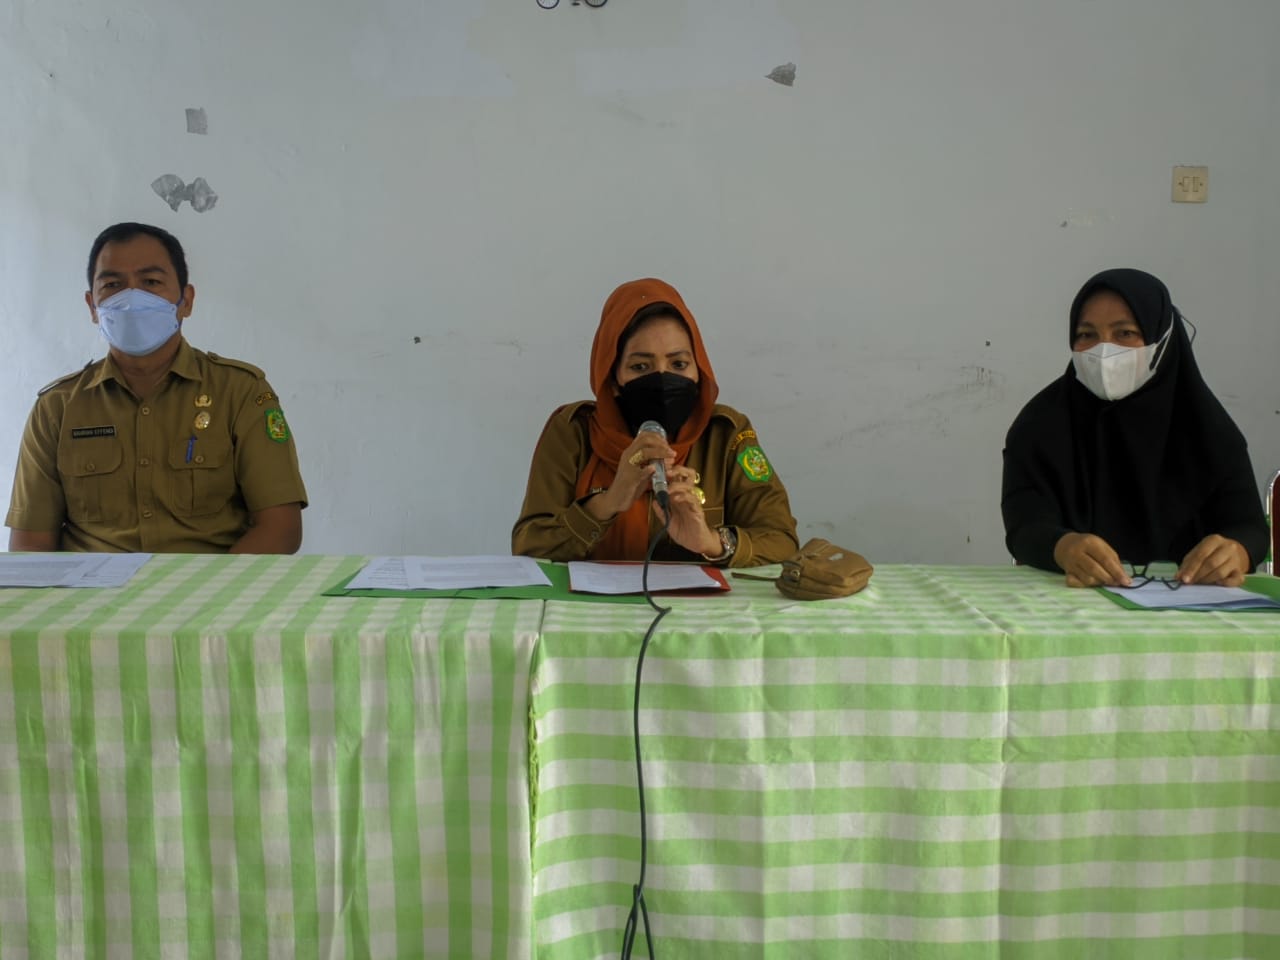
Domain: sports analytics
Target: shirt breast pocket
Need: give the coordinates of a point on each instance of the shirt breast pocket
(95, 486)
(203, 478)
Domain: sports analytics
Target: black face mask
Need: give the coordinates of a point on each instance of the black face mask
(665, 397)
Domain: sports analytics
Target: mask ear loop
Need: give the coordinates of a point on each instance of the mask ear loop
(1163, 343)
(1179, 315)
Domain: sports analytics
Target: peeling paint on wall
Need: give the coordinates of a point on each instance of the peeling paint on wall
(785, 74)
(201, 195)
(1086, 218)
(197, 120)
(173, 191)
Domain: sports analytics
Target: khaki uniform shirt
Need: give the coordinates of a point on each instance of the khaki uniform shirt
(741, 487)
(114, 473)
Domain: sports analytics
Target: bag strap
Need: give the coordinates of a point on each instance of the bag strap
(737, 574)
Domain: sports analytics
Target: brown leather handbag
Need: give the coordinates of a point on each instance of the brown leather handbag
(820, 570)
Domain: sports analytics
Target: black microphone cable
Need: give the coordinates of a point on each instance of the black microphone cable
(637, 891)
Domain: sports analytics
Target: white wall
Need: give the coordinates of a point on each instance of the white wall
(880, 257)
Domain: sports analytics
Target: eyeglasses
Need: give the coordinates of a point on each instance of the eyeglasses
(1139, 577)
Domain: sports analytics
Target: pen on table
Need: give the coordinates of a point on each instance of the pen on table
(191, 446)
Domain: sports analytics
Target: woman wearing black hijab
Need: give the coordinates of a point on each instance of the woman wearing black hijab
(1128, 455)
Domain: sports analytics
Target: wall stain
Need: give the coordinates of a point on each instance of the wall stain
(624, 111)
(980, 387)
(170, 188)
(784, 74)
(1086, 218)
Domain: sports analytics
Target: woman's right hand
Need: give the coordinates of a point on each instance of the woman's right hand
(634, 475)
(1089, 561)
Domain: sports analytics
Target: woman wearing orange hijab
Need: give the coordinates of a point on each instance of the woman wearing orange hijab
(590, 481)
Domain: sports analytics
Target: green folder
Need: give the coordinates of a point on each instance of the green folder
(1260, 584)
(557, 573)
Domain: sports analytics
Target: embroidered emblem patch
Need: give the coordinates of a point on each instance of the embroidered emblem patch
(745, 437)
(277, 427)
(755, 464)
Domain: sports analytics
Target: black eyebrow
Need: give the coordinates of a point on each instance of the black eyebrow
(119, 273)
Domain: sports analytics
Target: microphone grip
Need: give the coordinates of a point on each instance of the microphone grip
(659, 468)
(659, 476)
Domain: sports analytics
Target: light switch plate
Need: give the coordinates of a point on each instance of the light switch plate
(1190, 184)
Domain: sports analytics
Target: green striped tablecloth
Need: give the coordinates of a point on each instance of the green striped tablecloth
(216, 761)
(957, 763)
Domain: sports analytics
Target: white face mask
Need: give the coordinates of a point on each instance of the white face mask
(137, 322)
(1112, 372)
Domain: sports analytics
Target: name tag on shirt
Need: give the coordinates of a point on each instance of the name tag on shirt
(84, 433)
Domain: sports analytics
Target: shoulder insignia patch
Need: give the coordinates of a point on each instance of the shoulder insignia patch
(571, 411)
(63, 379)
(745, 438)
(277, 426)
(755, 464)
(238, 364)
(264, 397)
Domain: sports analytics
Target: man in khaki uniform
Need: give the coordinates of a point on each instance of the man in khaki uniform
(158, 447)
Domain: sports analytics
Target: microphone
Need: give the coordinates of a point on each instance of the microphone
(659, 468)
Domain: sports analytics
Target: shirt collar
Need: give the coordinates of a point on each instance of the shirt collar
(185, 364)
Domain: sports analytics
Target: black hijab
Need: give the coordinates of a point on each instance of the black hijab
(1143, 472)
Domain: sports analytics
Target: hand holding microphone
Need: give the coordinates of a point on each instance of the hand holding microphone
(642, 467)
(659, 466)
(687, 526)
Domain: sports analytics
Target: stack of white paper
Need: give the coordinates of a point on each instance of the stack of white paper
(1157, 596)
(69, 569)
(448, 573)
(619, 578)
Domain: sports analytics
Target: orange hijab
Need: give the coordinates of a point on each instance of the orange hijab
(628, 537)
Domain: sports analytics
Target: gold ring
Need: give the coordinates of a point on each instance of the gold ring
(697, 477)
(636, 458)
(702, 497)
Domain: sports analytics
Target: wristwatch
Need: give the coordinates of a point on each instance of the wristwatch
(728, 545)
